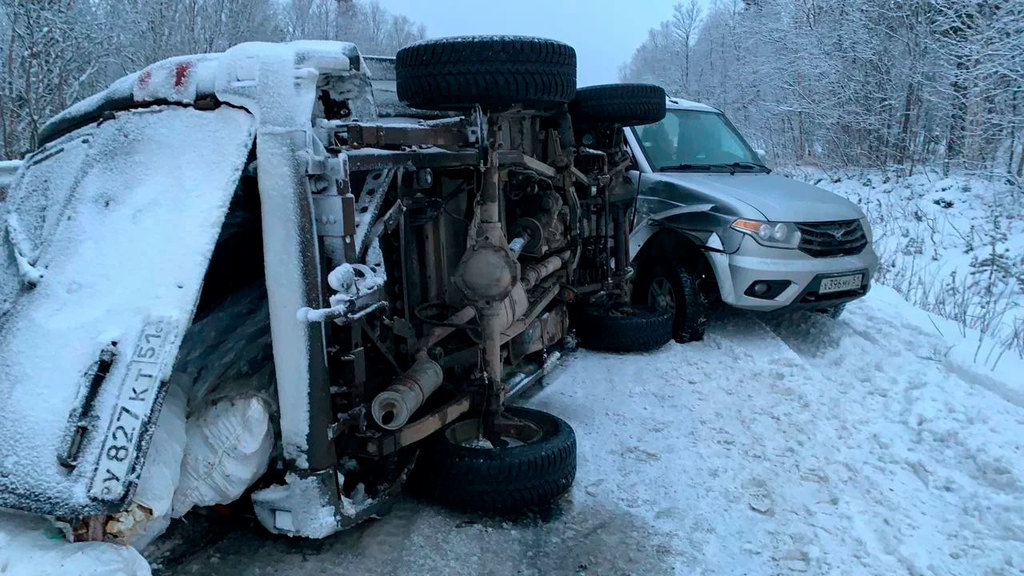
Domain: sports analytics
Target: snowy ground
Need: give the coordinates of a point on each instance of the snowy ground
(796, 445)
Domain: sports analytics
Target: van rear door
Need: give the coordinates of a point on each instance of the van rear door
(103, 250)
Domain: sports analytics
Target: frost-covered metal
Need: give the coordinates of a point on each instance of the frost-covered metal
(119, 220)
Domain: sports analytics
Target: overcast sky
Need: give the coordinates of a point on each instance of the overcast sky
(604, 32)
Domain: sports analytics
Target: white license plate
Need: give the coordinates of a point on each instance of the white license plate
(840, 284)
(138, 393)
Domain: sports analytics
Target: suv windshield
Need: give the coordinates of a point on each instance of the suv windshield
(693, 140)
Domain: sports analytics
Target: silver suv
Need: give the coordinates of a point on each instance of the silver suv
(713, 222)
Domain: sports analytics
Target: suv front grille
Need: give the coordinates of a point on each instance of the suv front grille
(828, 239)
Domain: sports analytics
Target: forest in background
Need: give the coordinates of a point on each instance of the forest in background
(55, 52)
(893, 84)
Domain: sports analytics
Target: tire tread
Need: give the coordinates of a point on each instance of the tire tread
(499, 482)
(648, 330)
(456, 73)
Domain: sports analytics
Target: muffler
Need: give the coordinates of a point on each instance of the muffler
(393, 407)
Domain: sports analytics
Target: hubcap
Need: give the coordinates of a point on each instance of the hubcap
(661, 295)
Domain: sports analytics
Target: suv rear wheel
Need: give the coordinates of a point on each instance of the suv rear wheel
(677, 289)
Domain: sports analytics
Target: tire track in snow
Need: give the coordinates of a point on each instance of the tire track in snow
(740, 477)
(938, 485)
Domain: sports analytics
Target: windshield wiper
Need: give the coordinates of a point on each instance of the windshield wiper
(683, 167)
(30, 275)
(733, 167)
(755, 165)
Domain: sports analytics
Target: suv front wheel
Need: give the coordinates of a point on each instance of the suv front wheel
(677, 289)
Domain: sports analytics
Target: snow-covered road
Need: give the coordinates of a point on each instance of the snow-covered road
(797, 445)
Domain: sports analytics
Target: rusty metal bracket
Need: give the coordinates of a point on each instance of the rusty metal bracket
(517, 158)
(368, 207)
(374, 159)
(450, 134)
(328, 210)
(389, 220)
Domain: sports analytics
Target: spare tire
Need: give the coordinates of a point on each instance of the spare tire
(495, 72)
(460, 471)
(619, 104)
(623, 328)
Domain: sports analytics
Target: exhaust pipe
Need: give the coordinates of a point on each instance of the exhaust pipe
(393, 407)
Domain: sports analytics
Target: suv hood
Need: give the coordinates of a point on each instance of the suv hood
(778, 198)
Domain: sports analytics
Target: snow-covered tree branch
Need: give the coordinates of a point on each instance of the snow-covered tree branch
(55, 52)
(855, 82)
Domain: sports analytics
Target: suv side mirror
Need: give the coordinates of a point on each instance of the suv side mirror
(761, 154)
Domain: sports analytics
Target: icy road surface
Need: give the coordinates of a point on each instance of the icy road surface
(788, 446)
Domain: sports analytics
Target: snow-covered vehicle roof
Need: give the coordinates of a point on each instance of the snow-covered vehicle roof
(681, 104)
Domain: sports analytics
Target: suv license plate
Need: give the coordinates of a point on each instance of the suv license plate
(840, 284)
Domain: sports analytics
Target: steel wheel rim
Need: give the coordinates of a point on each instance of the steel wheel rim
(661, 295)
(517, 432)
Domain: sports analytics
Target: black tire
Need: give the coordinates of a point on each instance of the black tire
(679, 292)
(494, 72)
(498, 481)
(620, 104)
(623, 328)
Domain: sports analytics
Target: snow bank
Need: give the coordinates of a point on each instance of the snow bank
(953, 246)
(31, 546)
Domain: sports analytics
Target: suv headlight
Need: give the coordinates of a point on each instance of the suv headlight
(772, 234)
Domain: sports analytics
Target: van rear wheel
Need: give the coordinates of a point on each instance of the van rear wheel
(619, 104)
(527, 465)
(494, 72)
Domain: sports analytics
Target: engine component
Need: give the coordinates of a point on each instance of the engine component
(533, 232)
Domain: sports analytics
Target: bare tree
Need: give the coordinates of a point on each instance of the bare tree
(685, 20)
